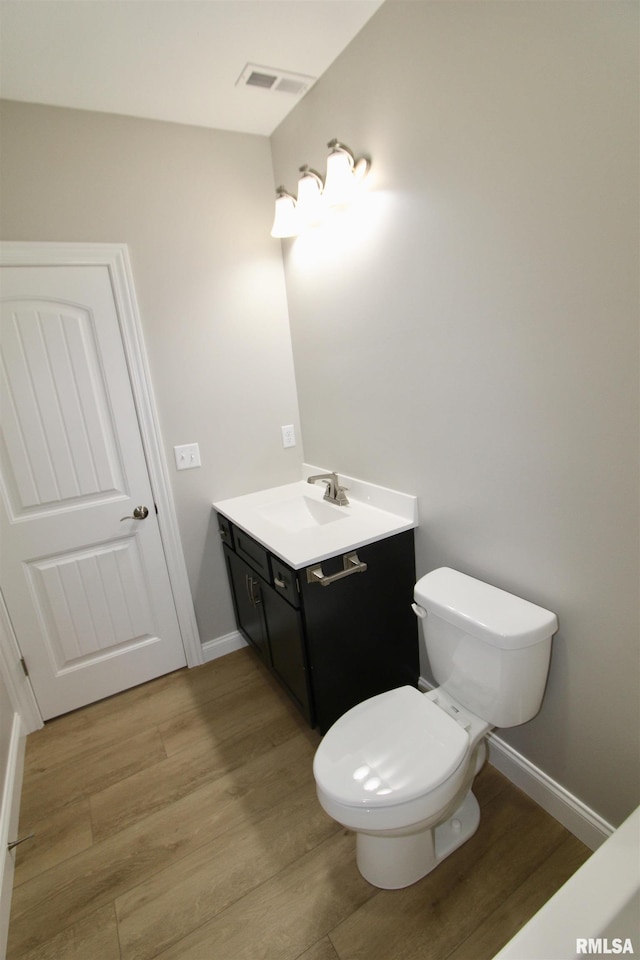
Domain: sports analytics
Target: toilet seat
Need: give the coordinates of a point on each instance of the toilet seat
(375, 754)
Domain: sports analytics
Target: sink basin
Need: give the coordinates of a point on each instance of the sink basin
(301, 513)
(296, 524)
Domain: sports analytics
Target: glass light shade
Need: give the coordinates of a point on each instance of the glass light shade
(285, 222)
(310, 198)
(339, 181)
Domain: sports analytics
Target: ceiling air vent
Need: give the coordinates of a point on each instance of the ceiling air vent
(265, 80)
(270, 78)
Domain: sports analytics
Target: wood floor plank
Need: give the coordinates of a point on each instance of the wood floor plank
(55, 787)
(57, 837)
(287, 915)
(108, 721)
(503, 923)
(93, 938)
(130, 800)
(444, 908)
(68, 892)
(161, 911)
(227, 716)
(322, 950)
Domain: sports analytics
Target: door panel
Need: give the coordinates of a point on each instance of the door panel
(85, 584)
(91, 601)
(58, 428)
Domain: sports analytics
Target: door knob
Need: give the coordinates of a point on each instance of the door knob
(139, 513)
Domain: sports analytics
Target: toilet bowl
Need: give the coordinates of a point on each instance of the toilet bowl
(398, 768)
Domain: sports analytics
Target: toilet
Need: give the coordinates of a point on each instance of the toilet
(398, 768)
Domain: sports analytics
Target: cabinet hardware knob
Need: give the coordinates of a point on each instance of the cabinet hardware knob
(255, 598)
(249, 584)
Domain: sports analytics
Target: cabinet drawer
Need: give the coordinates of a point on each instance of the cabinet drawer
(226, 530)
(285, 581)
(251, 551)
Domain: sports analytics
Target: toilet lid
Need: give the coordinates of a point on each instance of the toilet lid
(389, 749)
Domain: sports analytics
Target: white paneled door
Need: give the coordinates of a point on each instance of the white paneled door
(82, 566)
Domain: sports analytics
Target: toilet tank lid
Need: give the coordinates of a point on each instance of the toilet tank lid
(497, 617)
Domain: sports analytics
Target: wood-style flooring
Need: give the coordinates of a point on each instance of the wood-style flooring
(178, 820)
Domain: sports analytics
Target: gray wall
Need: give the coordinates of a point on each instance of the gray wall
(195, 208)
(470, 333)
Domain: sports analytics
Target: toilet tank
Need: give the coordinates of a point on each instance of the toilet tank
(487, 648)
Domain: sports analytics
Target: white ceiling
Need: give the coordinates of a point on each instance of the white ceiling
(176, 60)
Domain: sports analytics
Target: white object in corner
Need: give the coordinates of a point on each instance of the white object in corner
(597, 909)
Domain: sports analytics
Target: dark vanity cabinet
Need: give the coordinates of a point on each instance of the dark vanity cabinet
(330, 646)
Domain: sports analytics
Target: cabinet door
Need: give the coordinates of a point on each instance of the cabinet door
(247, 593)
(288, 652)
(362, 635)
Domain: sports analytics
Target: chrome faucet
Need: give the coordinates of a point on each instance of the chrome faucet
(334, 492)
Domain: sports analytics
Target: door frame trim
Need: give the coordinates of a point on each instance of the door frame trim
(115, 257)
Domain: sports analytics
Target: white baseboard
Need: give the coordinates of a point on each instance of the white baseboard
(572, 813)
(567, 809)
(212, 649)
(9, 814)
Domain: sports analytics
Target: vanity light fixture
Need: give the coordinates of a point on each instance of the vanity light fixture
(309, 197)
(285, 221)
(344, 172)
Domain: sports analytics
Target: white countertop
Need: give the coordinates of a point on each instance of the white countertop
(372, 514)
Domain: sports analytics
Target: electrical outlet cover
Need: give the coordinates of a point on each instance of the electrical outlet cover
(288, 436)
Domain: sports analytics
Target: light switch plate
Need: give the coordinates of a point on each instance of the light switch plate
(187, 456)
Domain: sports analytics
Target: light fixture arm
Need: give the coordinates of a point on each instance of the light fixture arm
(308, 171)
(359, 167)
(336, 147)
(283, 192)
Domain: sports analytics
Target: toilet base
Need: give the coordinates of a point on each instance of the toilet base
(393, 862)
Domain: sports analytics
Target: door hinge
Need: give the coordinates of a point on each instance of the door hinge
(156, 506)
(24, 666)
